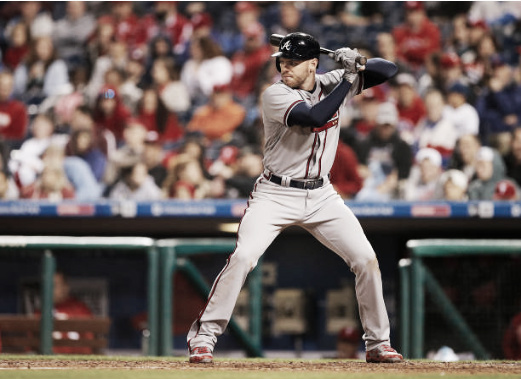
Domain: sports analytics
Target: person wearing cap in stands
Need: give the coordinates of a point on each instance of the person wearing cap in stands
(436, 130)
(462, 114)
(385, 158)
(490, 169)
(417, 37)
(411, 108)
(454, 184)
(248, 62)
(423, 181)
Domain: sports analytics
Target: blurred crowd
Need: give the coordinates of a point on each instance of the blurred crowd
(156, 100)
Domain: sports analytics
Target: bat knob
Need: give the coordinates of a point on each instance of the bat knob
(361, 60)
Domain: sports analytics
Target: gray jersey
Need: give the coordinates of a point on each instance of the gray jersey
(297, 152)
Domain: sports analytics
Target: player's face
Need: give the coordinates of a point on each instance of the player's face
(298, 74)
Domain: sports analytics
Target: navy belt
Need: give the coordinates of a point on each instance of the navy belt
(302, 184)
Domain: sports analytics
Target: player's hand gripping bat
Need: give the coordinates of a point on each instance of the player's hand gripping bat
(276, 38)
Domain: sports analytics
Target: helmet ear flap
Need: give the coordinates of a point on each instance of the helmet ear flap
(277, 64)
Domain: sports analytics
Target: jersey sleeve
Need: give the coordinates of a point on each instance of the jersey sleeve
(331, 79)
(277, 102)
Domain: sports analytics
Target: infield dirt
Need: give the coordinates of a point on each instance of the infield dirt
(407, 367)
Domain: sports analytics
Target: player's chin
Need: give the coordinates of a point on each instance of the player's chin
(289, 82)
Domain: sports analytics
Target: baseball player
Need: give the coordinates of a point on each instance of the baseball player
(301, 123)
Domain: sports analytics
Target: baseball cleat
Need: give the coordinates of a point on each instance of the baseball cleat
(383, 354)
(201, 354)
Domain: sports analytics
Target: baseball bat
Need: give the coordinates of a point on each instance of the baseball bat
(276, 38)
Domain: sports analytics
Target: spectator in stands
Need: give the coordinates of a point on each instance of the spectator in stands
(459, 39)
(506, 190)
(28, 162)
(32, 14)
(454, 185)
(71, 33)
(246, 171)
(367, 104)
(386, 49)
(295, 18)
(154, 115)
(173, 92)
(153, 157)
(13, 113)
(512, 339)
(82, 118)
(159, 47)
(77, 171)
(186, 180)
(499, 107)
(344, 173)
(490, 169)
(451, 71)
(385, 159)
(166, 20)
(42, 74)
(99, 43)
(8, 188)
(17, 46)
(218, 119)
(129, 153)
(206, 68)
(246, 13)
(248, 63)
(136, 184)
(52, 185)
(435, 130)
(110, 114)
(411, 108)
(200, 18)
(116, 58)
(131, 88)
(463, 115)
(82, 144)
(128, 28)
(487, 52)
(464, 155)
(513, 157)
(417, 37)
(422, 183)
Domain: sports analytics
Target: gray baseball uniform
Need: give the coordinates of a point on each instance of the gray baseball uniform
(297, 154)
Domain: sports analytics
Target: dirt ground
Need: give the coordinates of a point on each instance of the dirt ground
(408, 367)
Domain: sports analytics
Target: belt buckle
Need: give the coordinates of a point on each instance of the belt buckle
(309, 185)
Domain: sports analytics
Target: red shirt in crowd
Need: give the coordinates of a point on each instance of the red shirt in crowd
(415, 46)
(246, 70)
(413, 113)
(172, 130)
(13, 120)
(344, 173)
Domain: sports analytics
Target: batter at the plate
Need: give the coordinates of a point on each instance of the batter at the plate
(301, 126)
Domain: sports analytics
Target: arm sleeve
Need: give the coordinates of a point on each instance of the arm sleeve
(317, 115)
(377, 71)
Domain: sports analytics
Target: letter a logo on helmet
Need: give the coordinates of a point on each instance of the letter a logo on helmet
(298, 46)
(286, 46)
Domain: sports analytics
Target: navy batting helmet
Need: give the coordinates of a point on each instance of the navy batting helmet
(299, 46)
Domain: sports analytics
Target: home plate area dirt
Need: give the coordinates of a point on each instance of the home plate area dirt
(407, 367)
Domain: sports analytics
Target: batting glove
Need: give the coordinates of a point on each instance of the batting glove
(350, 76)
(347, 57)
